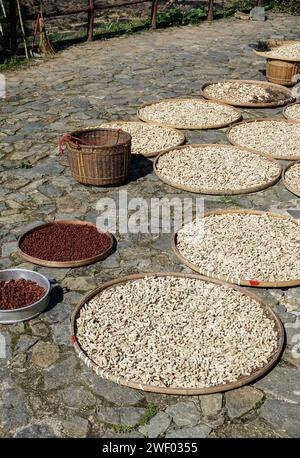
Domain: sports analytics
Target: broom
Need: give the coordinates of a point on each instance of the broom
(46, 48)
(22, 29)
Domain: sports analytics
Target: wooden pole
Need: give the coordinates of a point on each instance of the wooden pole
(13, 26)
(3, 9)
(210, 15)
(22, 29)
(154, 14)
(91, 16)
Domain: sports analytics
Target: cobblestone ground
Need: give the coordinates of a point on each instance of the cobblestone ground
(45, 389)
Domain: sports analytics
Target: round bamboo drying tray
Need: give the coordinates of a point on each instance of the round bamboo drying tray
(282, 158)
(287, 116)
(153, 153)
(63, 264)
(178, 391)
(189, 126)
(288, 95)
(276, 44)
(203, 190)
(288, 186)
(235, 280)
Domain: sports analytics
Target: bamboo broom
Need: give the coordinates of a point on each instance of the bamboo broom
(22, 29)
(45, 45)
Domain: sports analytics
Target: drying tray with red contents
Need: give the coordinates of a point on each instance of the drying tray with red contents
(82, 261)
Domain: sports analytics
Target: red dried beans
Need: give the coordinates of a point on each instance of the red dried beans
(15, 294)
(65, 242)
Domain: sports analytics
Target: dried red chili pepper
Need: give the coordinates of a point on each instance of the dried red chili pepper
(15, 294)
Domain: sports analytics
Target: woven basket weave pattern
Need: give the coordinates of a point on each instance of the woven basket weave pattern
(281, 72)
(104, 160)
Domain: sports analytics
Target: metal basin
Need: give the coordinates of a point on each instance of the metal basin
(29, 311)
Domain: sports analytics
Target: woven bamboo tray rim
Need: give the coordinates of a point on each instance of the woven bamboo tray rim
(248, 121)
(153, 153)
(268, 54)
(238, 112)
(178, 391)
(288, 117)
(234, 280)
(204, 190)
(289, 98)
(296, 192)
(63, 264)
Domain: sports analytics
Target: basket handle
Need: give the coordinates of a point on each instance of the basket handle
(77, 142)
(68, 138)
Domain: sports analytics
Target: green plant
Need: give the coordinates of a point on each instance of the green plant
(11, 63)
(24, 165)
(194, 16)
(227, 200)
(151, 411)
(170, 18)
(286, 6)
(123, 429)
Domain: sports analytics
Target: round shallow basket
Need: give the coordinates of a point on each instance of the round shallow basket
(272, 55)
(294, 191)
(101, 158)
(287, 95)
(248, 121)
(243, 380)
(63, 264)
(232, 278)
(181, 136)
(282, 72)
(226, 192)
(236, 112)
(287, 116)
(30, 311)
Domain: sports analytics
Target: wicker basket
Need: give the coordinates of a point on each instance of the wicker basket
(282, 72)
(99, 157)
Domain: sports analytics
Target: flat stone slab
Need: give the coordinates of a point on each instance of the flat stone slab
(75, 427)
(196, 432)
(184, 413)
(157, 425)
(36, 430)
(78, 397)
(112, 392)
(45, 354)
(282, 414)
(255, 428)
(25, 343)
(282, 383)
(291, 299)
(258, 13)
(60, 374)
(242, 400)
(129, 416)
(9, 248)
(14, 409)
(211, 404)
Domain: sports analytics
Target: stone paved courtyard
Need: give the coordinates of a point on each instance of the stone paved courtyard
(46, 391)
